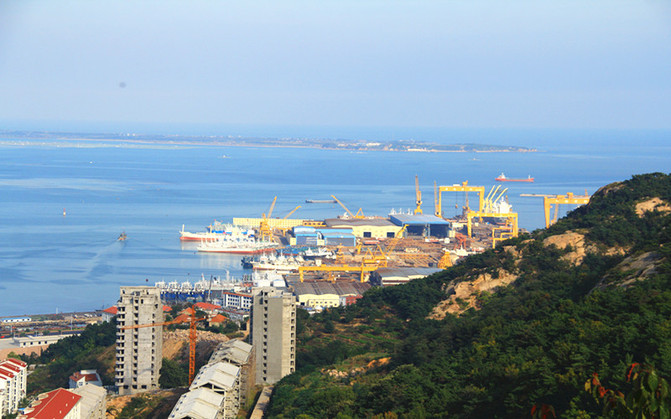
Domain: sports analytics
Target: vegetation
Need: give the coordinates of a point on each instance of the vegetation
(90, 350)
(527, 350)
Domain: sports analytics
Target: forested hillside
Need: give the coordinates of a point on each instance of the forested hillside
(592, 294)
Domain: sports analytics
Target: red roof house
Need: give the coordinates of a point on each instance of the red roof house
(207, 307)
(80, 378)
(219, 318)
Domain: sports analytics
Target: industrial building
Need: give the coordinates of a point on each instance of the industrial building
(422, 224)
(138, 351)
(273, 331)
(395, 276)
(327, 294)
(376, 228)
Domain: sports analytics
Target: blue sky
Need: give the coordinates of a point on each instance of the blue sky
(601, 64)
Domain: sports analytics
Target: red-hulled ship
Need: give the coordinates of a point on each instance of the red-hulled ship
(502, 178)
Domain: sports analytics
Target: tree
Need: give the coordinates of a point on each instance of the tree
(649, 398)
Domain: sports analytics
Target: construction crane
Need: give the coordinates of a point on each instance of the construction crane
(418, 196)
(550, 200)
(182, 318)
(359, 214)
(460, 188)
(382, 259)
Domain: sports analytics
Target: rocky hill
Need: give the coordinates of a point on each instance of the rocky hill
(515, 329)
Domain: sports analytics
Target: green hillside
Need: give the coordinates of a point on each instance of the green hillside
(592, 294)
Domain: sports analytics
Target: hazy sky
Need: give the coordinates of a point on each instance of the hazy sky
(456, 64)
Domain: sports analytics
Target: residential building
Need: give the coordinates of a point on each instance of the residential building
(273, 332)
(138, 350)
(210, 309)
(199, 403)
(13, 375)
(240, 354)
(83, 377)
(92, 404)
(224, 379)
(236, 300)
(56, 404)
(108, 313)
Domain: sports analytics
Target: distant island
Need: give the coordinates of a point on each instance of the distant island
(93, 139)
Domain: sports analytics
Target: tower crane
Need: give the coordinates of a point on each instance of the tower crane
(182, 318)
(418, 196)
(359, 214)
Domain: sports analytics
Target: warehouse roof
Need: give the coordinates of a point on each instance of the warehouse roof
(417, 219)
(320, 288)
(356, 222)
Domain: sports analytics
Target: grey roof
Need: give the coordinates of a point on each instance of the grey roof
(220, 374)
(411, 273)
(417, 219)
(376, 222)
(201, 403)
(339, 288)
(235, 351)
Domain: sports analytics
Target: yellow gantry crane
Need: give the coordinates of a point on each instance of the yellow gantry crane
(264, 227)
(418, 196)
(182, 318)
(359, 214)
(556, 200)
(337, 268)
(459, 188)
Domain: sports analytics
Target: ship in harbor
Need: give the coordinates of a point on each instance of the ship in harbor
(502, 178)
(280, 264)
(215, 231)
(321, 201)
(236, 245)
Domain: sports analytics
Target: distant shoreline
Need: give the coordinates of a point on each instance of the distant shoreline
(88, 140)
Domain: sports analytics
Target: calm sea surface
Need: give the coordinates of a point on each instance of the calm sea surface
(51, 262)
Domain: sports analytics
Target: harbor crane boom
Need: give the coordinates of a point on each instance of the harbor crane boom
(359, 214)
(291, 212)
(183, 318)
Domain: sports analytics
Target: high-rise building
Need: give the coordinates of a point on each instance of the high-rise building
(274, 334)
(138, 351)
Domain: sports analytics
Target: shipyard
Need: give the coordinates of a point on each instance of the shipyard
(331, 262)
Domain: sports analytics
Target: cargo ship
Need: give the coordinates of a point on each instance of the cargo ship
(502, 178)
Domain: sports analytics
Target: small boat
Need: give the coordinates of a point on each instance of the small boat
(502, 178)
(122, 237)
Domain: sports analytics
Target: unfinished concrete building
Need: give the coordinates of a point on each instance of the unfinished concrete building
(274, 334)
(138, 350)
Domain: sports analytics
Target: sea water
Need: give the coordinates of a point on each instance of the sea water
(62, 207)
